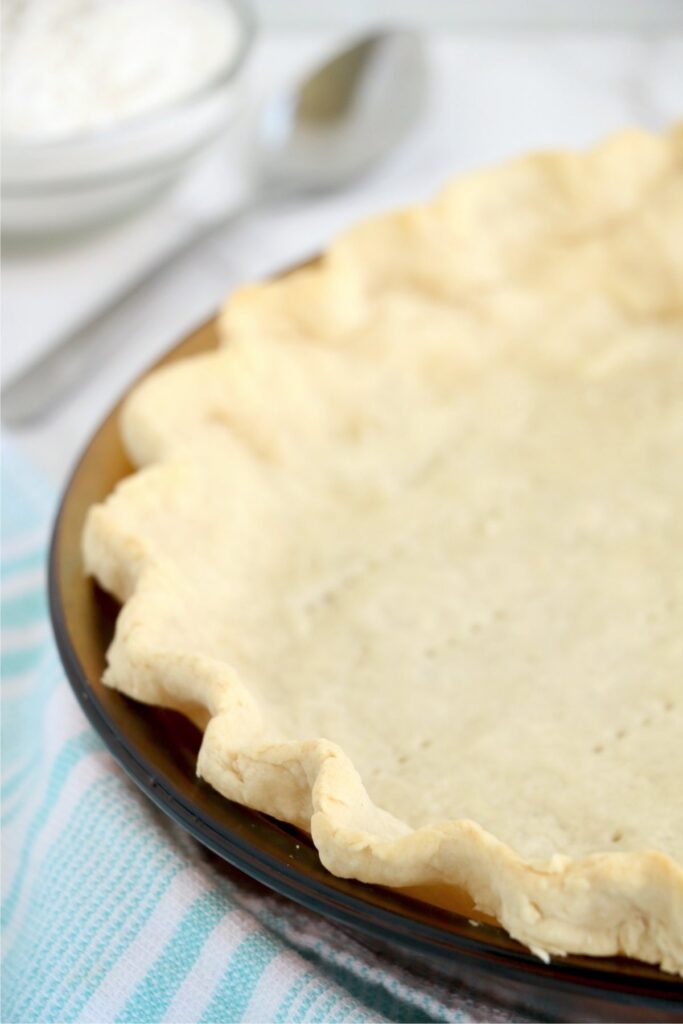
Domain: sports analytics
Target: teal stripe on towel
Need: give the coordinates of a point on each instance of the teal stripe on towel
(24, 609)
(158, 988)
(237, 986)
(71, 753)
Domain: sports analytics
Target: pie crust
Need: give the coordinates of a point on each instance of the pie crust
(409, 548)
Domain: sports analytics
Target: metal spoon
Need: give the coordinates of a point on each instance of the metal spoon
(312, 138)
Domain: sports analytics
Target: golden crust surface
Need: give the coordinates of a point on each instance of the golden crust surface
(409, 548)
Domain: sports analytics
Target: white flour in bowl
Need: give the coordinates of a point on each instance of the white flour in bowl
(71, 66)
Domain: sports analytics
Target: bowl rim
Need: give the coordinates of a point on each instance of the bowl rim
(127, 128)
(64, 185)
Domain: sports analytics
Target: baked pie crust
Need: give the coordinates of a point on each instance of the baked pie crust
(409, 548)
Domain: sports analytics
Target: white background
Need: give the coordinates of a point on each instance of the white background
(469, 14)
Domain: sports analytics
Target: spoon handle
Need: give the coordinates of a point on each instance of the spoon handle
(40, 387)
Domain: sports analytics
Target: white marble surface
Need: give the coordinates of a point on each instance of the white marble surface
(491, 96)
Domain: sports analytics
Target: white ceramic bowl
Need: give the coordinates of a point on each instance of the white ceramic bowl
(71, 183)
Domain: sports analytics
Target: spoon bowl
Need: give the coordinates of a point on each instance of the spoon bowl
(342, 118)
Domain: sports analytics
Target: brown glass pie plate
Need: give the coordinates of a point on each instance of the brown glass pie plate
(157, 748)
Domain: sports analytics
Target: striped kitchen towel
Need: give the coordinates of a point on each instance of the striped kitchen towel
(109, 911)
